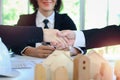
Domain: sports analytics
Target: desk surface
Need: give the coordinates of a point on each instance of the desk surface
(27, 73)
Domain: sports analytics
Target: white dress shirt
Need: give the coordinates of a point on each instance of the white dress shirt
(40, 18)
(80, 39)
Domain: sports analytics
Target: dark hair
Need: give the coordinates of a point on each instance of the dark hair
(58, 5)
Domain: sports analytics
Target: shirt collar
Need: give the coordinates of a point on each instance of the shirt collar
(40, 17)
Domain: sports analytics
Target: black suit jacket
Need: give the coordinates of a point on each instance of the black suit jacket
(106, 36)
(62, 21)
(16, 38)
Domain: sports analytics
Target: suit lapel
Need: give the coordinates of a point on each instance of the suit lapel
(33, 19)
(57, 21)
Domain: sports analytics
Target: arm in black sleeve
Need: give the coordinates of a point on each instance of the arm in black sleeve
(17, 38)
(109, 35)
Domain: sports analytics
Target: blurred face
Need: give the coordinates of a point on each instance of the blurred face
(46, 5)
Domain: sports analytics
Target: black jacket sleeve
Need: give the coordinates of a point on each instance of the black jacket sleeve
(109, 35)
(17, 38)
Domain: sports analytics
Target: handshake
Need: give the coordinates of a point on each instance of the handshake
(59, 39)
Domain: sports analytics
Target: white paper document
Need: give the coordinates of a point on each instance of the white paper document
(24, 62)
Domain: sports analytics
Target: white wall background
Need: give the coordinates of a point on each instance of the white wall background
(0, 11)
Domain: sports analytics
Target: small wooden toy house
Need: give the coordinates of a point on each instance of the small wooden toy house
(57, 66)
(92, 67)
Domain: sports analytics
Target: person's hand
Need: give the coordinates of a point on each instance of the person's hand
(40, 51)
(68, 36)
(51, 35)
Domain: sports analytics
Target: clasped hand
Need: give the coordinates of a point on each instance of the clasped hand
(59, 39)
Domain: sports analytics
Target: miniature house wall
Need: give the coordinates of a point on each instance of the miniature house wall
(92, 67)
(57, 66)
(117, 69)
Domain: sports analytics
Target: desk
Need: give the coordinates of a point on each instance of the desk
(25, 74)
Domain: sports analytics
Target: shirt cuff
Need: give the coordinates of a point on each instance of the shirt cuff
(79, 39)
(82, 52)
(22, 52)
(42, 43)
(74, 52)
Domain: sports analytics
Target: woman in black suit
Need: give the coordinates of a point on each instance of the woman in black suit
(61, 21)
(45, 10)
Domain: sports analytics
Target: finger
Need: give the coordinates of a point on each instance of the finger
(43, 55)
(61, 44)
(60, 40)
(43, 47)
(66, 49)
(66, 40)
(57, 42)
(64, 43)
(62, 33)
(46, 51)
(53, 44)
(69, 34)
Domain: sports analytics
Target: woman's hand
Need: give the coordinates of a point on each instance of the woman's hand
(40, 51)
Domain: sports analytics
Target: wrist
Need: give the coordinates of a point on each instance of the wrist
(74, 51)
(25, 51)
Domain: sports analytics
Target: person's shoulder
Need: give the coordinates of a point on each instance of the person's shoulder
(28, 15)
(112, 26)
(62, 15)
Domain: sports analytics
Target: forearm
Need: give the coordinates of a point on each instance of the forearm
(109, 35)
(16, 38)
